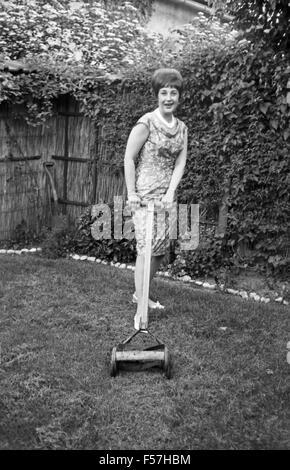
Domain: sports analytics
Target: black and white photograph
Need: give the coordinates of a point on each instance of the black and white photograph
(144, 228)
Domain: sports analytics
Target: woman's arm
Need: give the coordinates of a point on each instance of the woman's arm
(136, 140)
(177, 173)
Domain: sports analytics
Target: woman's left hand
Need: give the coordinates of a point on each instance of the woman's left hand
(167, 199)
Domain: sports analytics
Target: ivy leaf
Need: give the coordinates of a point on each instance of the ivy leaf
(264, 107)
(274, 124)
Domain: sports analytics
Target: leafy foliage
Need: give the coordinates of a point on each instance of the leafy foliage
(57, 241)
(144, 6)
(123, 250)
(266, 20)
(22, 237)
(236, 105)
(81, 33)
(209, 256)
(239, 120)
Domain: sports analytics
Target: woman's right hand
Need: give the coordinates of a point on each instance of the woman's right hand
(134, 201)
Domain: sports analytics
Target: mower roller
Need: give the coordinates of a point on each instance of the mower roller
(156, 355)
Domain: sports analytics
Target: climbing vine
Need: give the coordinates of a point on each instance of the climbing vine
(103, 34)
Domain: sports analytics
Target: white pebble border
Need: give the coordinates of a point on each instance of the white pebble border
(19, 252)
(187, 279)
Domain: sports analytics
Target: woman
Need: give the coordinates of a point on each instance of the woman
(159, 140)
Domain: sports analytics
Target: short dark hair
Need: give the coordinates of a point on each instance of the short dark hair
(166, 77)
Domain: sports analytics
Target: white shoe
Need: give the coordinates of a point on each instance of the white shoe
(151, 304)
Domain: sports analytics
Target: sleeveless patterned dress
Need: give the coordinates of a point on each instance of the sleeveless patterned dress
(154, 168)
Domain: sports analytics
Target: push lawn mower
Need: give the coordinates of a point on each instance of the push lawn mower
(126, 357)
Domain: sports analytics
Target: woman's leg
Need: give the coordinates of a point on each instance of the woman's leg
(139, 272)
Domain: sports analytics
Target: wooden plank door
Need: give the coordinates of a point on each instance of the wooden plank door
(75, 166)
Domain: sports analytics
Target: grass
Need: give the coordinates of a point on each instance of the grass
(59, 321)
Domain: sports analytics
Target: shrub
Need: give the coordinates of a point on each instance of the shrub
(205, 260)
(58, 240)
(123, 250)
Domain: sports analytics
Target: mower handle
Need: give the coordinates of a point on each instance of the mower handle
(151, 204)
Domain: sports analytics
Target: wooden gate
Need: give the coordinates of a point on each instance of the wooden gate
(75, 166)
(74, 151)
(83, 171)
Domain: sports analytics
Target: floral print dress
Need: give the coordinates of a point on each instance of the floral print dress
(154, 168)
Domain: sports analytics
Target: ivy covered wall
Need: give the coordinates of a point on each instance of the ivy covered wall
(236, 103)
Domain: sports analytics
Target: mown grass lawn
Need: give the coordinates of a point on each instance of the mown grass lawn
(60, 319)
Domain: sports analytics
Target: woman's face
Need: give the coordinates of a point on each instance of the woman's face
(168, 99)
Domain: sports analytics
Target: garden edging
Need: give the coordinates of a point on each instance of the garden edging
(186, 279)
